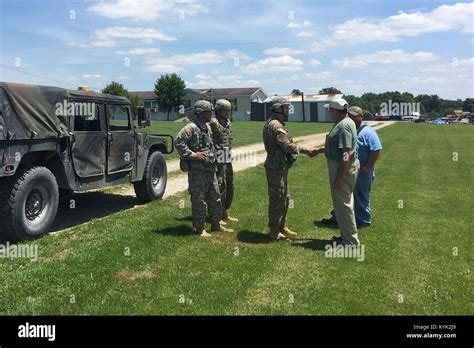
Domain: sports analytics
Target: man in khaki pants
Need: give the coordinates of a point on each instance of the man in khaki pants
(341, 153)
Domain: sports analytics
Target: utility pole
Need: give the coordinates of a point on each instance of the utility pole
(302, 105)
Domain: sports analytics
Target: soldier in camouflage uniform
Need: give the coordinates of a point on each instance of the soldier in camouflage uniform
(222, 136)
(281, 153)
(196, 149)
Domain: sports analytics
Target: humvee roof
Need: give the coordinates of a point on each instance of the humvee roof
(29, 111)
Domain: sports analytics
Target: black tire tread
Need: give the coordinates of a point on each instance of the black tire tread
(142, 189)
(9, 189)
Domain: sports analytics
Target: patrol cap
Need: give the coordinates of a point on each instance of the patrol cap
(338, 104)
(278, 102)
(355, 111)
(202, 106)
(223, 104)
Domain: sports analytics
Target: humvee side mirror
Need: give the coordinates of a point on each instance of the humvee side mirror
(144, 116)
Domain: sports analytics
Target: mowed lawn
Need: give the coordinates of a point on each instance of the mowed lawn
(418, 258)
(245, 133)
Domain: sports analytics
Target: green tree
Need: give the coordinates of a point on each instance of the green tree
(170, 90)
(116, 88)
(296, 92)
(468, 105)
(135, 100)
(329, 90)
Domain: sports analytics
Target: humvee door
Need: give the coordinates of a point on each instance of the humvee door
(88, 141)
(121, 139)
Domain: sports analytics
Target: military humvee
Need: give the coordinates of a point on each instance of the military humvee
(54, 141)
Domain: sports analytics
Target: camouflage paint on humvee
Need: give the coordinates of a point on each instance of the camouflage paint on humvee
(54, 139)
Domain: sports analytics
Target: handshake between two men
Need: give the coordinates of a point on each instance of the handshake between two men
(312, 152)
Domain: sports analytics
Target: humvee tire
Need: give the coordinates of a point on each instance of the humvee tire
(31, 204)
(153, 185)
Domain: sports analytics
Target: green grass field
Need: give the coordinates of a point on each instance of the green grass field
(410, 253)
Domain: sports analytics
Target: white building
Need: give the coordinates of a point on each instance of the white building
(308, 108)
(241, 99)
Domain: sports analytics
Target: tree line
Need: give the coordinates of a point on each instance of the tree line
(170, 90)
(430, 105)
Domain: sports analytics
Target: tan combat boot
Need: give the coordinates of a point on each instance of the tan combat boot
(204, 234)
(219, 228)
(289, 233)
(232, 219)
(275, 235)
(226, 217)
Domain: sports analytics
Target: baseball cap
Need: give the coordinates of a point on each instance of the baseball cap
(355, 111)
(338, 104)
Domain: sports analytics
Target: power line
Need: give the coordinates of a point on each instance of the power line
(35, 75)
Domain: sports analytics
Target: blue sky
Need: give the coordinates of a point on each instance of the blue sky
(356, 46)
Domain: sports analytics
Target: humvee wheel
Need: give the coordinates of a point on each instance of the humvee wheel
(31, 204)
(154, 181)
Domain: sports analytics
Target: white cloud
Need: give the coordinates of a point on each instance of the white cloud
(139, 51)
(449, 79)
(281, 51)
(219, 81)
(254, 83)
(461, 66)
(203, 77)
(456, 17)
(158, 67)
(314, 62)
(274, 64)
(206, 57)
(385, 57)
(78, 44)
(299, 25)
(147, 10)
(305, 34)
(235, 54)
(107, 37)
(93, 77)
(324, 75)
(175, 62)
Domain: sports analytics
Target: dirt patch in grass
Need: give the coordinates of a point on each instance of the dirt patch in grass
(59, 256)
(128, 275)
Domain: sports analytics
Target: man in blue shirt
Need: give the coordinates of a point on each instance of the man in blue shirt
(369, 147)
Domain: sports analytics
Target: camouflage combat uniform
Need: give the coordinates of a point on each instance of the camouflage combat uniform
(281, 153)
(222, 136)
(203, 187)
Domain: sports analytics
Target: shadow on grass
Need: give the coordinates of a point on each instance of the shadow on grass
(252, 237)
(177, 231)
(89, 206)
(319, 224)
(185, 218)
(80, 208)
(313, 244)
